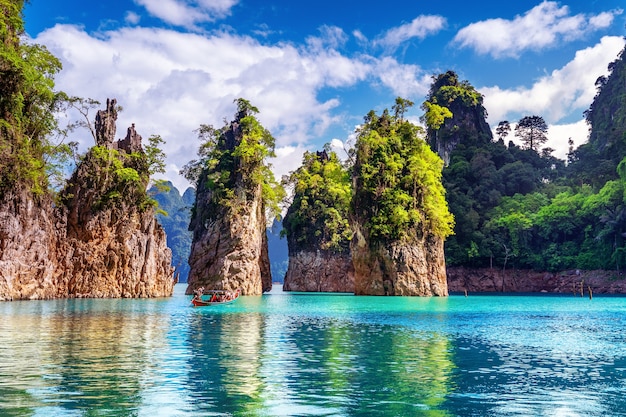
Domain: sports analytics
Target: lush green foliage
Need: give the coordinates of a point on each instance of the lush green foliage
(398, 192)
(318, 215)
(114, 177)
(520, 208)
(233, 161)
(27, 105)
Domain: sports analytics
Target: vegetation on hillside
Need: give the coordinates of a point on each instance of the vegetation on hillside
(28, 104)
(318, 217)
(398, 193)
(233, 163)
(522, 207)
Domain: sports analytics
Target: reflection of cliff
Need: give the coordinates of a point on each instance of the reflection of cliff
(78, 360)
(226, 361)
(375, 371)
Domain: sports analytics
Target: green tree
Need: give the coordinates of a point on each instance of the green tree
(28, 103)
(398, 191)
(318, 217)
(532, 132)
(233, 162)
(503, 129)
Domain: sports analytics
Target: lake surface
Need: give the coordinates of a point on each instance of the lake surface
(315, 355)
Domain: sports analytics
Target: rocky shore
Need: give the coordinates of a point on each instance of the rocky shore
(486, 280)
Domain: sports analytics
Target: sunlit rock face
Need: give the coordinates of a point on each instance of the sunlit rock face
(230, 251)
(319, 271)
(400, 268)
(102, 240)
(29, 248)
(229, 248)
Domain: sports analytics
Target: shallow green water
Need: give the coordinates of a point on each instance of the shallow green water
(315, 355)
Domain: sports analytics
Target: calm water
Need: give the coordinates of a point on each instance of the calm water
(315, 355)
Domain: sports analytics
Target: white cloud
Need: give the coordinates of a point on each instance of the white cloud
(544, 26)
(170, 82)
(558, 94)
(132, 18)
(558, 137)
(188, 13)
(420, 27)
(405, 80)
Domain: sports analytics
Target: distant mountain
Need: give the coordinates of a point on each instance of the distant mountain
(279, 255)
(176, 224)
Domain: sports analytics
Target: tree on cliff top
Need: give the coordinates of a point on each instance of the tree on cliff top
(398, 191)
(233, 161)
(318, 216)
(454, 113)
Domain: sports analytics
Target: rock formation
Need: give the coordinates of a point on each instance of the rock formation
(229, 248)
(29, 247)
(575, 282)
(400, 268)
(467, 124)
(317, 227)
(102, 241)
(319, 271)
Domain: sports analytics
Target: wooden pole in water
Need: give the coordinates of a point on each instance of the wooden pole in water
(582, 289)
(590, 292)
(466, 292)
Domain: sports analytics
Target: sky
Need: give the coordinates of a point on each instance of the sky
(315, 69)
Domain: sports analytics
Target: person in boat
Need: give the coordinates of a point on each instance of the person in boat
(198, 294)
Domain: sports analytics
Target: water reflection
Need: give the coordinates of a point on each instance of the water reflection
(313, 356)
(255, 364)
(67, 359)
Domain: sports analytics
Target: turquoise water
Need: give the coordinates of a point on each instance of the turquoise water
(315, 355)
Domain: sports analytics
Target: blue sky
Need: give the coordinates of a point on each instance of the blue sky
(314, 69)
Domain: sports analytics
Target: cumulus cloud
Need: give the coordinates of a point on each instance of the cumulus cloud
(188, 13)
(544, 26)
(405, 80)
(563, 91)
(420, 27)
(170, 82)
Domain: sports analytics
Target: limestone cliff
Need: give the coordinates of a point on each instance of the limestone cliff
(229, 247)
(400, 216)
(230, 252)
(28, 247)
(399, 268)
(467, 124)
(319, 271)
(102, 240)
(317, 226)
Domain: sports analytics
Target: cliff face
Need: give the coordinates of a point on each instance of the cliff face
(319, 271)
(101, 242)
(230, 252)
(400, 268)
(577, 282)
(28, 248)
(229, 248)
(467, 124)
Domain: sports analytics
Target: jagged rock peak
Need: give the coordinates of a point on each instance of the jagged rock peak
(131, 143)
(105, 124)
